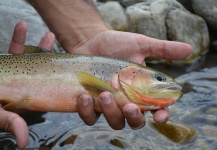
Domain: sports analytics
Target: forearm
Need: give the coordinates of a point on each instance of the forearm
(72, 21)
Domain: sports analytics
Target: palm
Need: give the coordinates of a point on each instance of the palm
(113, 44)
(131, 46)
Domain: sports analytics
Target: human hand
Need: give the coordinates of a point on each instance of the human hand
(132, 47)
(11, 122)
(78, 32)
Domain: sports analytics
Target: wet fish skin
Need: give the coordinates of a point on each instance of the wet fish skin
(51, 82)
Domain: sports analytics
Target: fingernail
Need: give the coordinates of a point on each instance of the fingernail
(132, 113)
(136, 128)
(84, 102)
(106, 99)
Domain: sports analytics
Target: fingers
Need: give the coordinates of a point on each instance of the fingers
(19, 36)
(13, 123)
(164, 49)
(169, 50)
(18, 39)
(47, 41)
(162, 115)
(111, 111)
(133, 115)
(86, 109)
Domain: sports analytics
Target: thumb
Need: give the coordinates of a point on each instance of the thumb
(14, 124)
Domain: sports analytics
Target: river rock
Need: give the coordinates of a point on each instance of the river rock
(210, 132)
(207, 9)
(127, 3)
(113, 15)
(174, 131)
(169, 20)
(10, 16)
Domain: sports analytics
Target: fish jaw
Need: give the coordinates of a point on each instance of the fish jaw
(141, 86)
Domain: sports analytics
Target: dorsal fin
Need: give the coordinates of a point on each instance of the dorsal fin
(34, 49)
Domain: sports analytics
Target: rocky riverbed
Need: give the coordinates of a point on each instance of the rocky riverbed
(182, 20)
(194, 115)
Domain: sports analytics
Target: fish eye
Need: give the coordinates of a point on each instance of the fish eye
(160, 77)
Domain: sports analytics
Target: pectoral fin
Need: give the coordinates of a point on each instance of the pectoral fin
(34, 49)
(93, 85)
(18, 106)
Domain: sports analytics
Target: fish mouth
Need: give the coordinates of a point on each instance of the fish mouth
(174, 88)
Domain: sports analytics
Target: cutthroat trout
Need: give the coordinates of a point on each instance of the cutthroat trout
(52, 82)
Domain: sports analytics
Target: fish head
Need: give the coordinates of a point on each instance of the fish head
(148, 88)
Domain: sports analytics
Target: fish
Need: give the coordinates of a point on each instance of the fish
(53, 82)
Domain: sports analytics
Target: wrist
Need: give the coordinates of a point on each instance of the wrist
(76, 36)
(72, 21)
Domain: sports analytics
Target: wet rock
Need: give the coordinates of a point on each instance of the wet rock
(174, 131)
(127, 3)
(207, 10)
(113, 15)
(194, 31)
(169, 20)
(210, 132)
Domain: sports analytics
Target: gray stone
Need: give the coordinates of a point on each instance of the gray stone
(127, 3)
(169, 20)
(207, 9)
(194, 31)
(210, 131)
(113, 15)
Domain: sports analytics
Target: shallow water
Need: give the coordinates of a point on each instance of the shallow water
(197, 109)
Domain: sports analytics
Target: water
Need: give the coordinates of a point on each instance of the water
(197, 109)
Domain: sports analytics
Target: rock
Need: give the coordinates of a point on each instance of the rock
(174, 131)
(113, 15)
(207, 10)
(210, 132)
(169, 20)
(194, 32)
(9, 17)
(127, 3)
